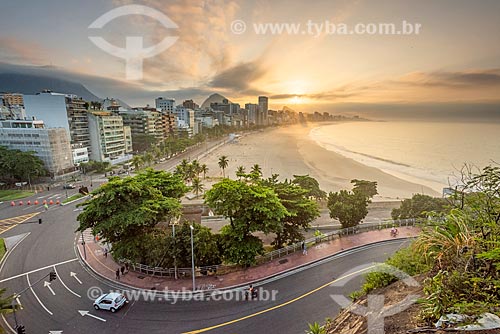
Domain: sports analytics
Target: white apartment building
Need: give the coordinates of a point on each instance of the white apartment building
(165, 104)
(109, 138)
(51, 145)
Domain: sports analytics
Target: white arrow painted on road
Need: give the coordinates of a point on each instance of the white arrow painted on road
(72, 274)
(55, 332)
(47, 285)
(84, 313)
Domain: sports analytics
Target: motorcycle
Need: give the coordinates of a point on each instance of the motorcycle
(251, 294)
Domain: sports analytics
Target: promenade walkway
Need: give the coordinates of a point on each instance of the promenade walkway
(106, 266)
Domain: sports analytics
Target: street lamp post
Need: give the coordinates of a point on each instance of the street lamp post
(192, 257)
(174, 221)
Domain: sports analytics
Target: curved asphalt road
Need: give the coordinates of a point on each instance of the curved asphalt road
(52, 245)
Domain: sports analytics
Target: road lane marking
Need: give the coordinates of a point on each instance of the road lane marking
(11, 250)
(34, 294)
(47, 285)
(278, 306)
(7, 224)
(39, 269)
(72, 274)
(19, 303)
(86, 313)
(62, 282)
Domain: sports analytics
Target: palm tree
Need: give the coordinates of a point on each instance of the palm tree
(204, 170)
(6, 305)
(256, 170)
(147, 158)
(197, 186)
(223, 162)
(240, 172)
(137, 161)
(196, 167)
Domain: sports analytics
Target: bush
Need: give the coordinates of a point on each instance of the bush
(406, 260)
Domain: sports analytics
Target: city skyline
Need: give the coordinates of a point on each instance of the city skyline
(454, 58)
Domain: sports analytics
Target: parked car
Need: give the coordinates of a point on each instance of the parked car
(110, 301)
(69, 186)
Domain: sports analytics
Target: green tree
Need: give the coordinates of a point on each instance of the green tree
(302, 211)
(311, 184)
(367, 188)
(348, 207)
(256, 171)
(204, 170)
(137, 162)
(223, 163)
(250, 208)
(20, 165)
(195, 165)
(419, 206)
(126, 211)
(6, 305)
(240, 172)
(206, 249)
(197, 186)
(142, 142)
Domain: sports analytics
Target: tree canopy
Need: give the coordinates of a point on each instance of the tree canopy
(20, 165)
(350, 207)
(124, 211)
(311, 185)
(419, 206)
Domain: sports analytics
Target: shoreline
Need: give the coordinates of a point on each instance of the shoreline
(433, 184)
(289, 151)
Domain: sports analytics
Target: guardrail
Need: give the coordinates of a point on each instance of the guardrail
(222, 269)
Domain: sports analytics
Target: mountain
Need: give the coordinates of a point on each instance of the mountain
(31, 83)
(214, 98)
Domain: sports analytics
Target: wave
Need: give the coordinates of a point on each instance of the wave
(432, 179)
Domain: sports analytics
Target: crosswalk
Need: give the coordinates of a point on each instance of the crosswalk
(88, 236)
(7, 224)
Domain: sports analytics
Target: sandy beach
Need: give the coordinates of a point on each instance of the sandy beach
(287, 151)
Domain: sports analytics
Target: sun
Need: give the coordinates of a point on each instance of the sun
(296, 100)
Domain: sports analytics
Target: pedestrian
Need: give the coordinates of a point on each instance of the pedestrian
(46, 207)
(105, 252)
(118, 273)
(304, 248)
(122, 269)
(126, 266)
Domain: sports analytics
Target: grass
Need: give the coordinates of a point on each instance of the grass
(72, 198)
(11, 194)
(2, 248)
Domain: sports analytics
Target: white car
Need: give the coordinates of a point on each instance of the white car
(110, 301)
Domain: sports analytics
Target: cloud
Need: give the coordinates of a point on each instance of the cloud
(239, 77)
(202, 48)
(463, 79)
(16, 51)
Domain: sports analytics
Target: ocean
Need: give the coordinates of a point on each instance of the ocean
(427, 153)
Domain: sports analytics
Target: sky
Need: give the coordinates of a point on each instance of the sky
(452, 63)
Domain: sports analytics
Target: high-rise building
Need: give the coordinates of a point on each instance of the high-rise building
(168, 120)
(253, 113)
(263, 110)
(144, 121)
(61, 111)
(51, 145)
(109, 141)
(12, 99)
(190, 104)
(165, 104)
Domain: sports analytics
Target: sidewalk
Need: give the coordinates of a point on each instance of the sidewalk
(106, 266)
